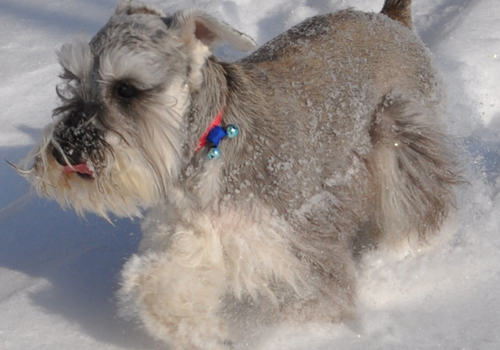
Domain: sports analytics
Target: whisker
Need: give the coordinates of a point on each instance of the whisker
(22, 172)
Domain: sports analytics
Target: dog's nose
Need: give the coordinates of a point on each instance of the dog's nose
(60, 158)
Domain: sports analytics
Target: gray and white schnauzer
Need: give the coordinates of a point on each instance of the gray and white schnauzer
(264, 179)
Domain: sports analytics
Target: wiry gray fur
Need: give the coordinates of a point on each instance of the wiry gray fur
(342, 147)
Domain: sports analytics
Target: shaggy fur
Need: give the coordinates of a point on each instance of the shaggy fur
(341, 147)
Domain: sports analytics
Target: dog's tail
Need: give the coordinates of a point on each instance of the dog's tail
(414, 170)
(398, 10)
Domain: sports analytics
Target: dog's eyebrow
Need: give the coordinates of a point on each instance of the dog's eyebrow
(124, 63)
(68, 75)
(76, 58)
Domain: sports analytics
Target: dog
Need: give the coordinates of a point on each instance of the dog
(265, 179)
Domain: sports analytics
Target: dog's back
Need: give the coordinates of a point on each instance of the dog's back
(360, 90)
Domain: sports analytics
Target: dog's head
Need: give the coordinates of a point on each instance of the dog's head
(119, 137)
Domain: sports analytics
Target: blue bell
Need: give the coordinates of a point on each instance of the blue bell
(213, 153)
(232, 131)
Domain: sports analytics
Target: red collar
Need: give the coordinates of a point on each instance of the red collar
(203, 139)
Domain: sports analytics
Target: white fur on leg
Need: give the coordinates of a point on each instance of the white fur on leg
(176, 294)
(176, 285)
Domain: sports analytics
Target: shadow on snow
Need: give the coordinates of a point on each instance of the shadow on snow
(81, 257)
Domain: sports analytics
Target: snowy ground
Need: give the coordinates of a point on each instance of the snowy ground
(58, 272)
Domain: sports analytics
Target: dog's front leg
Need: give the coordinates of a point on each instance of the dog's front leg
(176, 293)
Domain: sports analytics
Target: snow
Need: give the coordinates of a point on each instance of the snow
(58, 272)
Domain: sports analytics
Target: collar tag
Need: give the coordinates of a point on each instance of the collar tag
(203, 140)
(214, 135)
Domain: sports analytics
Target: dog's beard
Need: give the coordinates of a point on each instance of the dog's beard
(137, 167)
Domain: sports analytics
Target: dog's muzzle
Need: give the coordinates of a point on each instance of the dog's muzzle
(76, 144)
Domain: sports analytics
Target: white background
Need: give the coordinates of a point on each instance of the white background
(58, 272)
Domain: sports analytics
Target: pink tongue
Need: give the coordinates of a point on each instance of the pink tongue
(78, 168)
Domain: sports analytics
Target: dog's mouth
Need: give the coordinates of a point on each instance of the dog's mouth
(81, 170)
(73, 164)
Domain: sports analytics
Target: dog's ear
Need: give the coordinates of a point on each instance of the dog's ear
(132, 7)
(197, 25)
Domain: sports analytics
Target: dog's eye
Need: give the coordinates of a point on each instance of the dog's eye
(126, 90)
